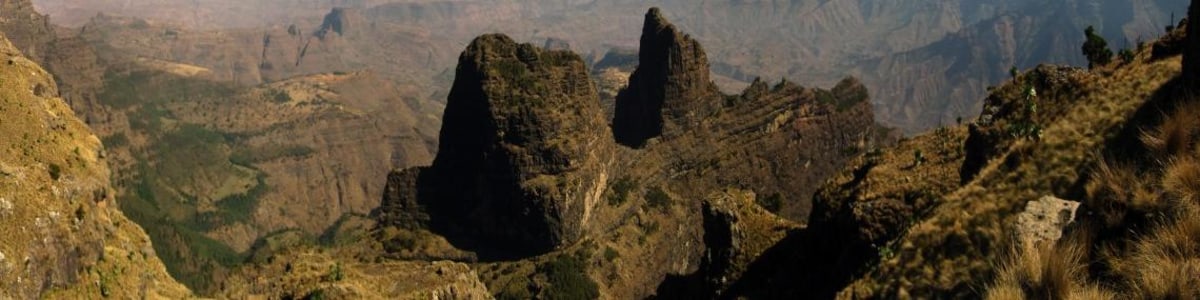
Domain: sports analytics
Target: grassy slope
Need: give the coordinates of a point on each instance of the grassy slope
(56, 210)
(955, 249)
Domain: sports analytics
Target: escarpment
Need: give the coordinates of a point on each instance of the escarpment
(342, 21)
(63, 236)
(26, 29)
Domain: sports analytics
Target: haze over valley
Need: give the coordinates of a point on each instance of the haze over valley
(583, 149)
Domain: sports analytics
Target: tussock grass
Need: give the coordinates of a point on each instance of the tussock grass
(1151, 215)
(1117, 191)
(1048, 271)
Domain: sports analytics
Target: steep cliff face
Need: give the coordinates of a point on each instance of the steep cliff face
(670, 92)
(63, 235)
(26, 29)
(524, 150)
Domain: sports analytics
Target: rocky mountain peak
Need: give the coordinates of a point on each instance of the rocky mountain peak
(524, 152)
(670, 90)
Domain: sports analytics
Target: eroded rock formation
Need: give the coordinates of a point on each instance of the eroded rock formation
(670, 91)
(524, 151)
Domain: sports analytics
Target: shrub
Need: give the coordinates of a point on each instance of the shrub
(55, 171)
(610, 254)
(620, 191)
(280, 96)
(115, 140)
(335, 273)
(772, 203)
(568, 279)
(318, 294)
(657, 198)
(1126, 55)
(1095, 48)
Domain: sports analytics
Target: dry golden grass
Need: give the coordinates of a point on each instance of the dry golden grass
(1047, 272)
(1166, 264)
(1181, 181)
(1117, 191)
(1156, 254)
(1177, 133)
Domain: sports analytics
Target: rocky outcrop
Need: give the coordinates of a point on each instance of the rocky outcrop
(1044, 219)
(62, 234)
(524, 152)
(736, 232)
(670, 91)
(401, 206)
(28, 30)
(342, 21)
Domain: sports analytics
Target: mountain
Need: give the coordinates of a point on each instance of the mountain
(246, 159)
(302, 170)
(946, 80)
(64, 235)
(928, 63)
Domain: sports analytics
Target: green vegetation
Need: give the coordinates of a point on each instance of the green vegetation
(317, 294)
(238, 207)
(621, 190)
(125, 90)
(1126, 55)
(1024, 126)
(567, 275)
(249, 156)
(516, 289)
(280, 96)
(1096, 49)
(611, 254)
(105, 291)
(918, 157)
(55, 171)
(335, 274)
(840, 103)
(657, 198)
(772, 203)
(116, 140)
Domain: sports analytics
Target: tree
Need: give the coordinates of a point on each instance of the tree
(1096, 49)
(1126, 55)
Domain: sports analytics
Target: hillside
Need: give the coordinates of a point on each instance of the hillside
(64, 236)
(936, 215)
(938, 83)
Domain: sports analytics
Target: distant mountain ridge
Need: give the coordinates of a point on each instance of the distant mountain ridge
(903, 50)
